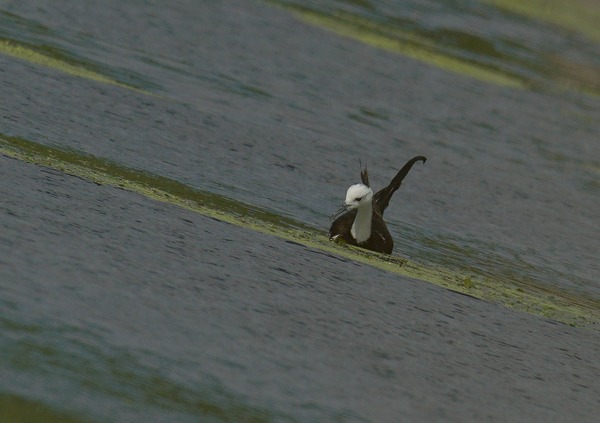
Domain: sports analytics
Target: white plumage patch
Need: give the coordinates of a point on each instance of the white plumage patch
(360, 197)
(357, 193)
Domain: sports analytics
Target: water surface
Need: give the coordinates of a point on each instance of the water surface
(146, 312)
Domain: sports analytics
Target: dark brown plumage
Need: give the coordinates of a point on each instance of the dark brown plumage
(380, 239)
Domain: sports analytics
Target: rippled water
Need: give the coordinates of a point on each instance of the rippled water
(273, 103)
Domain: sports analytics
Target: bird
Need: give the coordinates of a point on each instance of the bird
(359, 220)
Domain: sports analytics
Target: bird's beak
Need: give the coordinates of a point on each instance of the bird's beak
(343, 209)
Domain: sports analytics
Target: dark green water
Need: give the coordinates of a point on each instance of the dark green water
(117, 308)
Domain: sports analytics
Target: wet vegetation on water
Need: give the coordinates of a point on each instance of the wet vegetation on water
(52, 57)
(505, 62)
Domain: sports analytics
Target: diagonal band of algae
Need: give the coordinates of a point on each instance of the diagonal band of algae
(54, 59)
(529, 297)
(396, 40)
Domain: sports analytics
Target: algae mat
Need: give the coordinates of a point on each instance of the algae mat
(489, 65)
(576, 15)
(525, 295)
(53, 58)
(399, 41)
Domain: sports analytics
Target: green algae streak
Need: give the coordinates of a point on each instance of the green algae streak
(526, 296)
(51, 58)
(398, 41)
(581, 16)
(565, 73)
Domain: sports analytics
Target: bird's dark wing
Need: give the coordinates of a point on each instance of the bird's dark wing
(380, 239)
(341, 227)
(382, 197)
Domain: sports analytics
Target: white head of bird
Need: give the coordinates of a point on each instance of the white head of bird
(359, 197)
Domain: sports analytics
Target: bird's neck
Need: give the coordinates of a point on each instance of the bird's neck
(361, 228)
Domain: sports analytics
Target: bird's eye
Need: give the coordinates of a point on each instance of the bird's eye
(358, 198)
